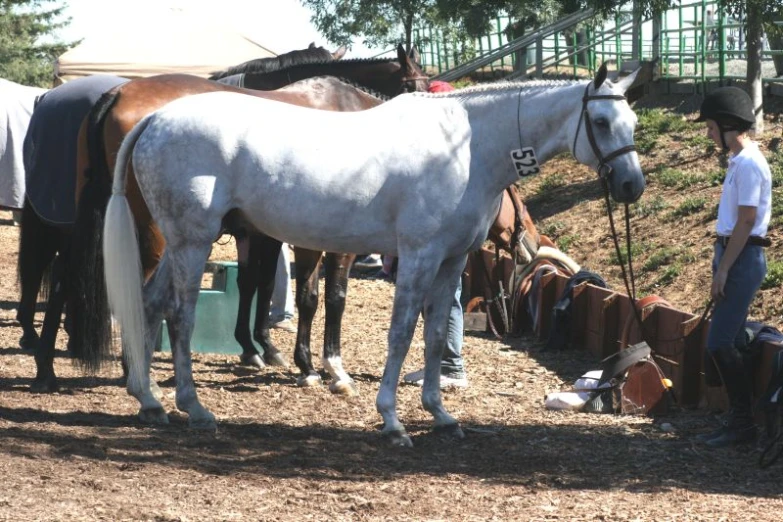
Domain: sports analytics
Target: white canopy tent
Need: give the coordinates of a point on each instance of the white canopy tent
(147, 42)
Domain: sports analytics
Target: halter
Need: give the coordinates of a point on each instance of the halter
(411, 80)
(604, 170)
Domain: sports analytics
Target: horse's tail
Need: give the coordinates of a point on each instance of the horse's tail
(122, 263)
(90, 314)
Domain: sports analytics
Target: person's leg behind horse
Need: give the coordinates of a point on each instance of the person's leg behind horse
(247, 282)
(281, 310)
(728, 321)
(266, 254)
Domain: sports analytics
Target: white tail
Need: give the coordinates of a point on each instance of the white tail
(122, 265)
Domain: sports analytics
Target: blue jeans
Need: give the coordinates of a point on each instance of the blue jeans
(451, 362)
(744, 279)
(282, 306)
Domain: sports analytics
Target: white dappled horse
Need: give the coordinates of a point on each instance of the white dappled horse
(420, 177)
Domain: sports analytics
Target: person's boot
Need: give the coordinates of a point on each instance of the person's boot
(740, 427)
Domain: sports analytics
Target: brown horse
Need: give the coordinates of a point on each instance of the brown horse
(112, 118)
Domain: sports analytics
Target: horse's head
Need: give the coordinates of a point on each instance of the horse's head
(412, 76)
(604, 136)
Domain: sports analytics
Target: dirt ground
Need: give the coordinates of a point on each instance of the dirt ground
(287, 453)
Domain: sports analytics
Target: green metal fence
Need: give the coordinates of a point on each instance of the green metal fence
(691, 44)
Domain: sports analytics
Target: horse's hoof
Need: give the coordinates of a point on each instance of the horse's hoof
(346, 388)
(275, 359)
(156, 416)
(398, 438)
(253, 360)
(308, 381)
(28, 344)
(452, 431)
(155, 390)
(206, 423)
(45, 385)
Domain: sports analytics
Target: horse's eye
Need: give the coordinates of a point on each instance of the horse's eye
(601, 122)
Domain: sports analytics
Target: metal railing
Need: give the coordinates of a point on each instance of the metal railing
(688, 47)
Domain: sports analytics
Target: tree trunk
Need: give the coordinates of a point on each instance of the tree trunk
(755, 30)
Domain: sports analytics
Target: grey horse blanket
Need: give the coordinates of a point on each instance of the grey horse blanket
(16, 107)
(50, 146)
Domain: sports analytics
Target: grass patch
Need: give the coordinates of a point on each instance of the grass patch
(550, 183)
(637, 249)
(689, 207)
(649, 206)
(652, 124)
(668, 276)
(659, 258)
(774, 278)
(673, 178)
(564, 242)
(776, 168)
(700, 141)
(552, 228)
(716, 177)
(776, 212)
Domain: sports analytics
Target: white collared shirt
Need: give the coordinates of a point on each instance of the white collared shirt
(748, 183)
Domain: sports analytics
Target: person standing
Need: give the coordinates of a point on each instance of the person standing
(739, 264)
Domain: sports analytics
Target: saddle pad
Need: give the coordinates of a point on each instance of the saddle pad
(50, 146)
(16, 108)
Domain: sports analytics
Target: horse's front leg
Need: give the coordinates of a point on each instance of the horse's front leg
(308, 263)
(247, 282)
(338, 267)
(265, 253)
(187, 265)
(414, 277)
(437, 309)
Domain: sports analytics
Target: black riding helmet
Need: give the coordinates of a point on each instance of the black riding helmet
(730, 107)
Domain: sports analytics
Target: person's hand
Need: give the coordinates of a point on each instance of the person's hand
(718, 283)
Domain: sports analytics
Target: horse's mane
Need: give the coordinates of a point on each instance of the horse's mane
(366, 90)
(335, 64)
(524, 87)
(276, 63)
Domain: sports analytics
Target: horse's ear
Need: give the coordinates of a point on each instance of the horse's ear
(624, 83)
(339, 53)
(414, 55)
(311, 46)
(600, 76)
(401, 56)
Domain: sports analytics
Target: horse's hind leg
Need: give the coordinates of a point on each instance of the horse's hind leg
(187, 267)
(45, 379)
(267, 253)
(437, 308)
(337, 267)
(308, 263)
(37, 248)
(415, 275)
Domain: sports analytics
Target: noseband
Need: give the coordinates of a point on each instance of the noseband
(406, 82)
(604, 170)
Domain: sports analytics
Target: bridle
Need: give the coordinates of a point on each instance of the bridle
(604, 173)
(411, 80)
(604, 170)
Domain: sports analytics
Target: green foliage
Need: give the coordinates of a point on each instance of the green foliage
(24, 56)
(691, 205)
(775, 161)
(774, 278)
(552, 228)
(776, 218)
(668, 276)
(550, 183)
(636, 250)
(652, 124)
(649, 206)
(565, 242)
(716, 177)
(673, 178)
(659, 258)
(700, 140)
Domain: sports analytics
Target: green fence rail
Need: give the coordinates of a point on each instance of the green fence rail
(693, 41)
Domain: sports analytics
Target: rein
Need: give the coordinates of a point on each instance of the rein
(604, 173)
(406, 82)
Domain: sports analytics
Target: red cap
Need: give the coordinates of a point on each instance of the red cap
(439, 86)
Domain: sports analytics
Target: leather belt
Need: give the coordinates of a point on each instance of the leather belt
(752, 240)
